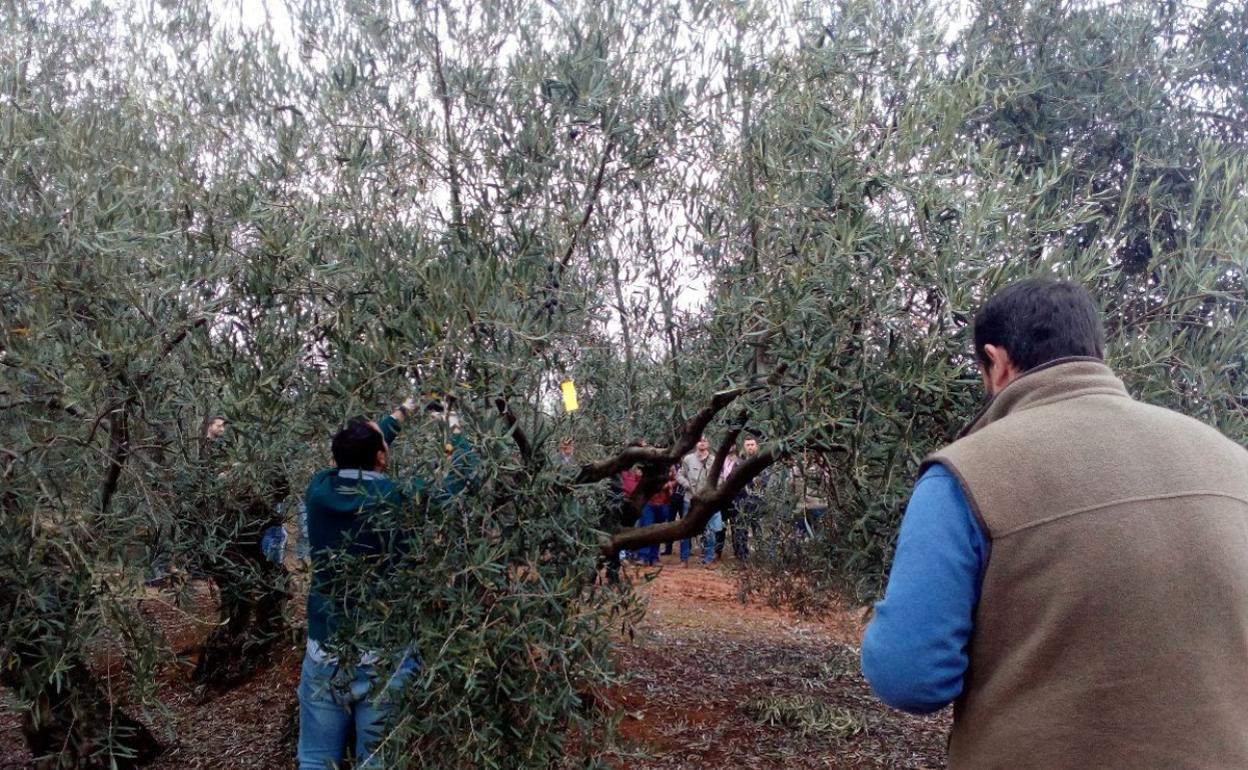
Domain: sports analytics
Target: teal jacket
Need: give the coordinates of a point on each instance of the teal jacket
(343, 512)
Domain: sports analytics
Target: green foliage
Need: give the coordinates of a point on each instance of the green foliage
(658, 199)
(897, 179)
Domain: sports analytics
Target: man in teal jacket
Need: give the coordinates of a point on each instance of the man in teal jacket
(346, 509)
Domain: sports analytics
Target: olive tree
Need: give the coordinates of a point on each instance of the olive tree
(714, 217)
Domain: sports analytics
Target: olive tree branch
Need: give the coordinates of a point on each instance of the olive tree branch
(705, 502)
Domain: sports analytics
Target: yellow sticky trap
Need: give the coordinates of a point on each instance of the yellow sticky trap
(569, 395)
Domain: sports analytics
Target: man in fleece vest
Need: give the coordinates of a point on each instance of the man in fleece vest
(1072, 572)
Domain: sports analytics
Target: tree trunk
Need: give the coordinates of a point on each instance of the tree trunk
(73, 721)
(253, 594)
(77, 726)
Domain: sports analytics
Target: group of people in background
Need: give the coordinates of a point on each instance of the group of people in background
(738, 522)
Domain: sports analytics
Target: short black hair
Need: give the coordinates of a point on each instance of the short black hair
(357, 444)
(1039, 320)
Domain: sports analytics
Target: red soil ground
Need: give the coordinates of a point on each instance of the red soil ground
(715, 684)
(704, 665)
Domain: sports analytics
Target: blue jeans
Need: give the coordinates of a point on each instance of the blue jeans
(667, 513)
(650, 514)
(685, 545)
(715, 525)
(330, 704)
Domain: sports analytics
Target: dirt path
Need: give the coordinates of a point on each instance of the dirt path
(720, 684)
(715, 684)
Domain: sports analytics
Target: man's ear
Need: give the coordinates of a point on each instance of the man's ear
(1000, 371)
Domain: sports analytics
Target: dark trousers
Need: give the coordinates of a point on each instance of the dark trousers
(672, 512)
(744, 524)
(740, 538)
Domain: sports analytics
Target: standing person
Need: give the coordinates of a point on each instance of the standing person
(619, 511)
(200, 493)
(730, 511)
(675, 506)
(566, 449)
(748, 504)
(656, 511)
(234, 507)
(346, 507)
(1072, 572)
(694, 468)
(629, 479)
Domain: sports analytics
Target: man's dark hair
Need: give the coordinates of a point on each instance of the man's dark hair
(1039, 320)
(357, 445)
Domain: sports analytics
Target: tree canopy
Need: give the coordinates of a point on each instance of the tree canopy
(732, 217)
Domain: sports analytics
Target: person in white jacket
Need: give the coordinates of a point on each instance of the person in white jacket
(692, 475)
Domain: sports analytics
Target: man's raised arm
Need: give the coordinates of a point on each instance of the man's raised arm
(392, 423)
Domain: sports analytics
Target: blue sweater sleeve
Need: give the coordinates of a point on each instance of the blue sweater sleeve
(390, 428)
(914, 651)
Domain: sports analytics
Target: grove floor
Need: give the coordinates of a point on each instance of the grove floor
(714, 684)
(720, 684)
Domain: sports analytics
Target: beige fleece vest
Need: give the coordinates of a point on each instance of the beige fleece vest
(1112, 628)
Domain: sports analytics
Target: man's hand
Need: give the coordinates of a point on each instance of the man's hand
(404, 409)
(448, 417)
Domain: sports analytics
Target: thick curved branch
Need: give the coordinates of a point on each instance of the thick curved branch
(656, 460)
(517, 433)
(633, 455)
(118, 453)
(119, 418)
(660, 456)
(704, 504)
(696, 426)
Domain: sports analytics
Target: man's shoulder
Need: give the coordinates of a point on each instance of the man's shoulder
(1056, 424)
(327, 485)
(1054, 458)
(1178, 420)
(319, 481)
